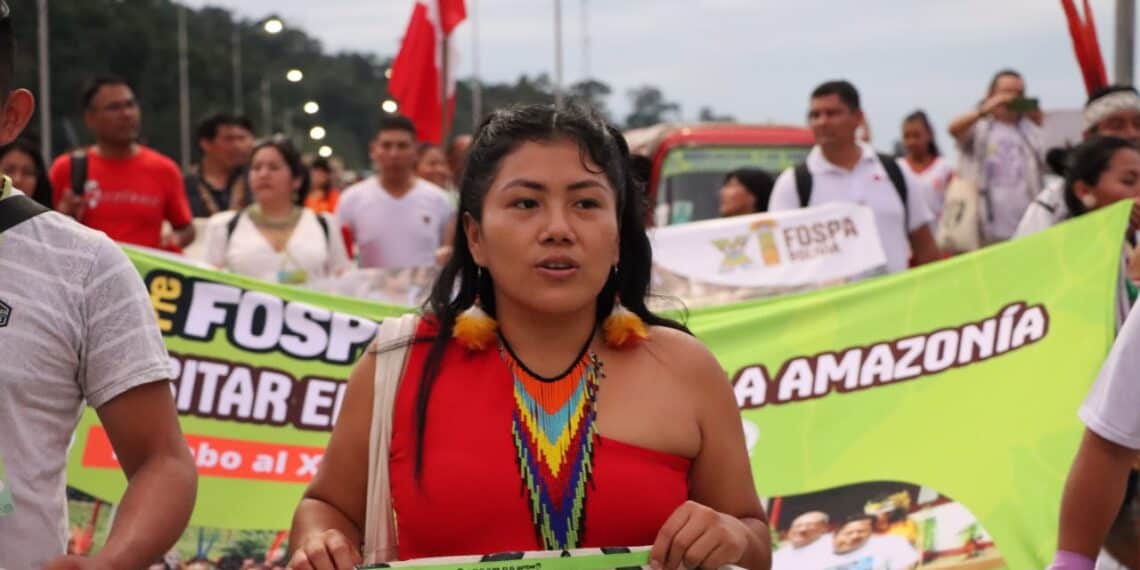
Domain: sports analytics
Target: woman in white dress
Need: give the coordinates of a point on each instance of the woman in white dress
(275, 239)
(923, 159)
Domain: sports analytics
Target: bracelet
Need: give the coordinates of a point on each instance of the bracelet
(1065, 560)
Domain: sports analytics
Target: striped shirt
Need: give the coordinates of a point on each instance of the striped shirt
(78, 326)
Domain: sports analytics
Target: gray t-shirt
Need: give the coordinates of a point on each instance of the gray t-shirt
(1006, 163)
(75, 324)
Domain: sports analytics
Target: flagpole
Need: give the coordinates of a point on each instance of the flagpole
(586, 40)
(476, 82)
(1125, 46)
(558, 53)
(445, 127)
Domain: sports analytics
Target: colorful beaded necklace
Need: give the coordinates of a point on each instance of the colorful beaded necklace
(553, 425)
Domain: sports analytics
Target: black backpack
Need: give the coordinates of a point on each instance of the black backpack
(78, 172)
(17, 209)
(804, 185)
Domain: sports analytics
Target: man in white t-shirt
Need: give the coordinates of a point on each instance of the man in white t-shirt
(808, 546)
(397, 219)
(77, 326)
(842, 169)
(857, 549)
(1002, 148)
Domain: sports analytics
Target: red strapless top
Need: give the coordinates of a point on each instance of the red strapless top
(471, 498)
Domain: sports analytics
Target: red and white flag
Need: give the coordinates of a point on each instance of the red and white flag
(418, 71)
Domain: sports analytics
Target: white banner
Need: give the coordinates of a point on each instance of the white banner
(800, 249)
(703, 263)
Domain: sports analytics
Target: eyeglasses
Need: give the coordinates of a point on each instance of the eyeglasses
(118, 105)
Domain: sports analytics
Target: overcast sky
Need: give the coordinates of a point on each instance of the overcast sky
(754, 59)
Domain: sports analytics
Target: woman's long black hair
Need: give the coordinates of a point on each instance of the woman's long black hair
(921, 117)
(1087, 162)
(42, 193)
(461, 280)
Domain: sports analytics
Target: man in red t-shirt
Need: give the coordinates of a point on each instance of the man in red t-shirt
(130, 189)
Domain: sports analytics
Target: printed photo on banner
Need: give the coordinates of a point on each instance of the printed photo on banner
(880, 525)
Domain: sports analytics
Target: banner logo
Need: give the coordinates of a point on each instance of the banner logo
(766, 233)
(734, 256)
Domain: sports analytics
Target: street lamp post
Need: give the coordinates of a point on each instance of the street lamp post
(239, 104)
(184, 85)
(272, 26)
(266, 107)
(45, 79)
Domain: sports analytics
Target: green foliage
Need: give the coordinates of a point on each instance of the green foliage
(650, 107)
(138, 41)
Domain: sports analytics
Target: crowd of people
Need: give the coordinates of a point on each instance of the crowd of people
(268, 212)
(854, 543)
(537, 222)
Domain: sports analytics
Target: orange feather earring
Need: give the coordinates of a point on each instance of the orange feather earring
(623, 328)
(474, 328)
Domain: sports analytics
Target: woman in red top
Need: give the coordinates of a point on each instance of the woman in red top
(558, 432)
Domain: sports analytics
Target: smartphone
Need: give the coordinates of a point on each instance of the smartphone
(1024, 105)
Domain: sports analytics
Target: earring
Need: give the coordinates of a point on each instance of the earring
(1089, 201)
(623, 328)
(474, 328)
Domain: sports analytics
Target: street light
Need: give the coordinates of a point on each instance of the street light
(325, 151)
(312, 108)
(389, 106)
(294, 75)
(274, 26)
(317, 133)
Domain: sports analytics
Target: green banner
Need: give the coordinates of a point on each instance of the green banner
(260, 371)
(962, 377)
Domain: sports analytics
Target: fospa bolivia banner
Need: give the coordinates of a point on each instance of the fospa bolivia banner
(782, 250)
(925, 399)
(705, 263)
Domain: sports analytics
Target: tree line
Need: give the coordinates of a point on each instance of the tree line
(137, 40)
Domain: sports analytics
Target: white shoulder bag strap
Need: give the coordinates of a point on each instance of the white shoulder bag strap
(379, 528)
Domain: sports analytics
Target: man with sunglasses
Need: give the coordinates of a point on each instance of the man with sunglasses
(76, 329)
(119, 186)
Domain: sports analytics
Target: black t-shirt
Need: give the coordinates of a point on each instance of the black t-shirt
(197, 190)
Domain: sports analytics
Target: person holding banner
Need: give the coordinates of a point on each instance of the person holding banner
(275, 239)
(841, 168)
(76, 329)
(1099, 476)
(537, 366)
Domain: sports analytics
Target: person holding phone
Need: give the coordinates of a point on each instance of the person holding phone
(1001, 145)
